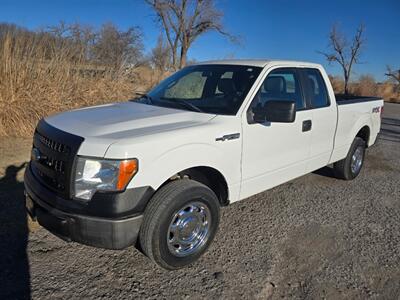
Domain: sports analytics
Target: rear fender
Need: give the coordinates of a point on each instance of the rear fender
(343, 142)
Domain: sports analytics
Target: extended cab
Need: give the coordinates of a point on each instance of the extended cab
(153, 172)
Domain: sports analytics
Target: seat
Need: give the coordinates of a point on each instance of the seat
(275, 86)
(227, 87)
(312, 90)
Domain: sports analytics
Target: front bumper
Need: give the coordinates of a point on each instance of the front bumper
(110, 232)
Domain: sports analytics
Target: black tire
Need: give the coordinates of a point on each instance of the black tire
(343, 168)
(159, 214)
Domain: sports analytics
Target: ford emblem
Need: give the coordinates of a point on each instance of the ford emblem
(35, 154)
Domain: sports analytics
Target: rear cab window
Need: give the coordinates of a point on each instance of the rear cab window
(315, 88)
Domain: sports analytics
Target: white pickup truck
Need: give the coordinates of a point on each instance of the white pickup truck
(153, 172)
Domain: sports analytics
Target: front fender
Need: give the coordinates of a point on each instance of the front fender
(159, 169)
(164, 154)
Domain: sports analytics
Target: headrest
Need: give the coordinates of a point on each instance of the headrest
(312, 85)
(226, 86)
(275, 84)
(241, 80)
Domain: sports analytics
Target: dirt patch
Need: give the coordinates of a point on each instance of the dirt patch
(378, 163)
(308, 247)
(314, 237)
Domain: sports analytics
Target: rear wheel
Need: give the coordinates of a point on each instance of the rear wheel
(179, 223)
(349, 167)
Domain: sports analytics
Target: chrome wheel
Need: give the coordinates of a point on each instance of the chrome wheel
(357, 160)
(189, 229)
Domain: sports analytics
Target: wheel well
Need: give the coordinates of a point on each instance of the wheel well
(207, 176)
(364, 134)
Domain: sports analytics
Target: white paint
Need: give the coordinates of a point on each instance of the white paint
(167, 141)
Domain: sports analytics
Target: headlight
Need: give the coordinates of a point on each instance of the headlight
(93, 175)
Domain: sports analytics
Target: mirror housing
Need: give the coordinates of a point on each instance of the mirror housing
(278, 111)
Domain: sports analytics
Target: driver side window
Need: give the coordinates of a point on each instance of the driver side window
(280, 84)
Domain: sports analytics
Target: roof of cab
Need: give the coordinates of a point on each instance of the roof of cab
(257, 62)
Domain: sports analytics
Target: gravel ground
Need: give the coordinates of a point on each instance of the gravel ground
(314, 237)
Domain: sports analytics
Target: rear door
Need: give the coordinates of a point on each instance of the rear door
(274, 153)
(324, 118)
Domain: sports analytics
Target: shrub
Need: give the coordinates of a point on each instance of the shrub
(367, 86)
(42, 73)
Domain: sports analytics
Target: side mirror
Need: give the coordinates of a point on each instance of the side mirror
(279, 111)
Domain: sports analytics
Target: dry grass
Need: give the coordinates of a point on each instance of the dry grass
(367, 86)
(39, 77)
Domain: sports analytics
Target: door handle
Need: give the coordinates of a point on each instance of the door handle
(307, 124)
(228, 137)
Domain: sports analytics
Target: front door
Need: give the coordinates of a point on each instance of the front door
(274, 153)
(324, 118)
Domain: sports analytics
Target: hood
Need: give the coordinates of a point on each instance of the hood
(105, 124)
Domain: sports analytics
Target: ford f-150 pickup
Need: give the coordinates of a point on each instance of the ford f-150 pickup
(154, 172)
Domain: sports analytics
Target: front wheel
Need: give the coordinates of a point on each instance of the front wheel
(349, 167)
(179, 223)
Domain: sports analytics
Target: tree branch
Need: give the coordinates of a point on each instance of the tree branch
(346, 56)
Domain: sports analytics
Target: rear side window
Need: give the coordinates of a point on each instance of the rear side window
(280, 84)
(315, 88)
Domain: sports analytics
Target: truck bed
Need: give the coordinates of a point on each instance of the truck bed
(348, 99)
(366, 110)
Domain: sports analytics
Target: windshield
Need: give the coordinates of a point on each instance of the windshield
(216, 89)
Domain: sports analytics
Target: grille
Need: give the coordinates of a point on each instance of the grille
(53, 155)
(50, 181)
(53, 164)
(56, 146)
(50, 165)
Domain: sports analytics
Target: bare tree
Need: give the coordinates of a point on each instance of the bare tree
(394, 75)
(160, 56)
(80, 39)
(118, 48)
(75, 38)
(59, 30)
(163, 11)
(184, 21)
(344, 53)
(107, 45)
(81, 33)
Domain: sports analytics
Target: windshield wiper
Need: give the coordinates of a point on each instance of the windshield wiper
(145, 96)
(182, 103)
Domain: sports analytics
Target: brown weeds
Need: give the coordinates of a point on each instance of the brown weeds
(367, 86)
(40, 75)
